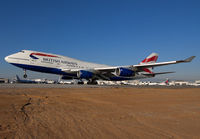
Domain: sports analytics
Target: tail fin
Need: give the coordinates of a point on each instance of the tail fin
(167, 81)
(152, 58)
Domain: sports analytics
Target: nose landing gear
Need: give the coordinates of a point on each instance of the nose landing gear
(25, 75)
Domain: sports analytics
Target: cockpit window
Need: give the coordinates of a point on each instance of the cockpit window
(22, 51)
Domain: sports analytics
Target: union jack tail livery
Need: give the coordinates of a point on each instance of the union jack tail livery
(152, 58)
(167, 81)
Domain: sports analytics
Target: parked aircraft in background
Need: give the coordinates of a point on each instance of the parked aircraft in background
(18, 80)
(165, 82)
(70, 68)
(159, 83)
(41, 81)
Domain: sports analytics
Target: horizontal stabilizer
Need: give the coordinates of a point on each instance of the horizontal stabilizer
(163, 73)
(159, 73)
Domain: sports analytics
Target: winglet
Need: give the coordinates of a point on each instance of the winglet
(186, 60)
(189, 59)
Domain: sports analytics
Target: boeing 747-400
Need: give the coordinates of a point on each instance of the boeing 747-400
(70, 68)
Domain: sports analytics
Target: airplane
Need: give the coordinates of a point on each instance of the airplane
(70, 68)
(18, 80)
(165, 82)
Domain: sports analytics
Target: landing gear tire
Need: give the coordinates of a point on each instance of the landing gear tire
(80, 82)
(25, 76)
(92, 82)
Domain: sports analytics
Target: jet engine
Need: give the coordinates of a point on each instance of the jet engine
(124, 72)
(85, 74)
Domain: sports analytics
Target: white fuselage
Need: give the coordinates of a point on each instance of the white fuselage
(57, 64)
(48, 60)
(49, 63)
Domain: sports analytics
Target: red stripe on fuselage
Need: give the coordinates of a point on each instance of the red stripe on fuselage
(41, 54)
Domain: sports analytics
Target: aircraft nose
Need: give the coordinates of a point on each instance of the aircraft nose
(6, 58)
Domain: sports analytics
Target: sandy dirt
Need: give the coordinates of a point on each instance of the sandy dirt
(99, 113)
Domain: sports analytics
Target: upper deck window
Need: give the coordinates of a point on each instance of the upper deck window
(22, 51)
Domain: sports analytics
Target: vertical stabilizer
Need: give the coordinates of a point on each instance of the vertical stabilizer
(167, 81)
(152, 58)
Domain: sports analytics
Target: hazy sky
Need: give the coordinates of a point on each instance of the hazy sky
(112, 32)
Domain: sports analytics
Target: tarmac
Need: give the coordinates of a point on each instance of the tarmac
(28, 85)
(83, 111)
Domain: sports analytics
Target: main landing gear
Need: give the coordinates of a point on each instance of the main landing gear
(80, 82)
(92, 82)
(25, 75)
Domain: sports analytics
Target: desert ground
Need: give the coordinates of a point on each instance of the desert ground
(99, 113)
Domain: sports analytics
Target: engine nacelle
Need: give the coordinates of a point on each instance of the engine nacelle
(83, 74)
(124, 72)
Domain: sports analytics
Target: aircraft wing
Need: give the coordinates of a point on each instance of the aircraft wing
(106, 72)
(138, 67)
(163, 63)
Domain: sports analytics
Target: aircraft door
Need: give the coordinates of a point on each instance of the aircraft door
(32, 61)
